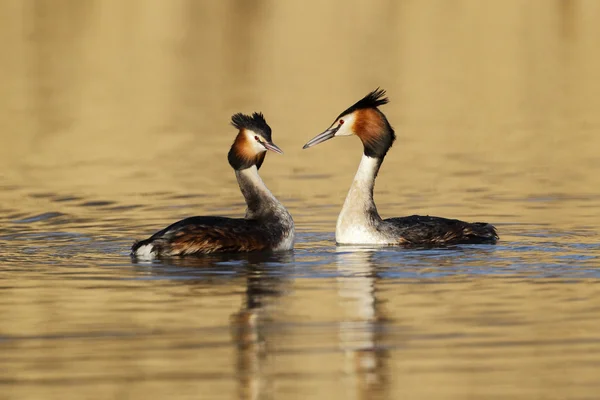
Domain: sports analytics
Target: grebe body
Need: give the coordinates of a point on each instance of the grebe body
(359, 221)
(267, 225)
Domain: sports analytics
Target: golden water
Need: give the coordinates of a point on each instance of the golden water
(114, 122)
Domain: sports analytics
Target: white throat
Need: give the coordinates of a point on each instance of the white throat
(250, 175)
(258, 197)
(357, 221)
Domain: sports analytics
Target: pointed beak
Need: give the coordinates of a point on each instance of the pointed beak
(322, 137)
(273, 147)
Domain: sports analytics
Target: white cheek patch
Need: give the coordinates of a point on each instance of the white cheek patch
(256, 146)
(346, 128)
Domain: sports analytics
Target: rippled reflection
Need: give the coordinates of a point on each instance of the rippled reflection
(251, 325)
(361, 333)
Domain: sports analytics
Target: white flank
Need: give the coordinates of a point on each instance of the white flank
(287, 243)
(146, 252)
(360, 235)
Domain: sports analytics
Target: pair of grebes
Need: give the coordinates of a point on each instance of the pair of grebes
(268, 226)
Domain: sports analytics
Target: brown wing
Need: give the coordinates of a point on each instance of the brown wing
(204, 235)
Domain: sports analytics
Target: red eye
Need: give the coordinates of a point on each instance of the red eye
(256, 138)
(341, 122)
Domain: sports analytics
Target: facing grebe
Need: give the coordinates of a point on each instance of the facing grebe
(267, 224)
(359, 222)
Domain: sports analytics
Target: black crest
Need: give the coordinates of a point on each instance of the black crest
(373, 100)
(255, 123)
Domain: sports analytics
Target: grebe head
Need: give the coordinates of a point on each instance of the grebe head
(252, 141)
(364, 120)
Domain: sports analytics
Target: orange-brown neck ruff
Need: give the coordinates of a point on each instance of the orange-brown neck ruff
(374, 130)
(242, 154)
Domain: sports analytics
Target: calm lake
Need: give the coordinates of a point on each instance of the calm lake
(114, 122)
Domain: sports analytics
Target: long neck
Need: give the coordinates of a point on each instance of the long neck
(258, 197)
(359, 206)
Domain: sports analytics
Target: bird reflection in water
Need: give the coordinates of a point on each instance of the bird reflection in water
(267, 278)
(359, 317)
(250, 326)
(361, 336)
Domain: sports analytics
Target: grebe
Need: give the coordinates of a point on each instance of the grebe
(359, 222)
(267, 224)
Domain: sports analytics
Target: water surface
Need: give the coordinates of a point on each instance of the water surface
(114, 123)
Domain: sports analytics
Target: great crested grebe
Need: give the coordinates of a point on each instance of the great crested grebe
(359, 222)
(267, 224)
